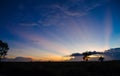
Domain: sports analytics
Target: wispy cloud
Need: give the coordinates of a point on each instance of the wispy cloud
(66, 11)
(58, 12)
(30, 24)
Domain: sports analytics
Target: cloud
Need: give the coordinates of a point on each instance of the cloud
(94, 52)
(77, 7)
(79, 54)
(67, 11)
(57, 13)
(17, 59)
(93, 7)
(93, 57)
(76, 54)
(76, 57)
(30, 24)
(22, 59)
(113, 53)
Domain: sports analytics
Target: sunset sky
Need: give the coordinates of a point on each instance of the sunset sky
(51, 29)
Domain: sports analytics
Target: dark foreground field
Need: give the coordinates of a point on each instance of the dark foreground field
(111, 68)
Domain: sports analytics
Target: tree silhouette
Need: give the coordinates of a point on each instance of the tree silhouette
(85, 55)
(101, 59)
(3, 49)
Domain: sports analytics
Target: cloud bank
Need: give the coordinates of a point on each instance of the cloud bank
(17, 59)
(113, 53)
(110, 54)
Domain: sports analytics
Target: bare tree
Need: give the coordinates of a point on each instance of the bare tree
(3, 49)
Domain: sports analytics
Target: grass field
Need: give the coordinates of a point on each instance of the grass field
(109, 68)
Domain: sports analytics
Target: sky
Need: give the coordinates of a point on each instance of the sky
(51, 29)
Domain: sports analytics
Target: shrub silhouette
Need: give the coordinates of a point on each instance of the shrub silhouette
(101, 59)
(3, 49)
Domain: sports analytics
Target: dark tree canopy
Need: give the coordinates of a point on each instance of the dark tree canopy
(101, 59)
(88, 53)
(85, 55)
(3, 49)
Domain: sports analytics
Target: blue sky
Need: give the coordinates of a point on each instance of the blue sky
(49, 29)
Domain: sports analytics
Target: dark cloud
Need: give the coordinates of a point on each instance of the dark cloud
(113, 53)
(17, 59)
(76, 54)
(76, 57)
(81, 54)
(95, 52)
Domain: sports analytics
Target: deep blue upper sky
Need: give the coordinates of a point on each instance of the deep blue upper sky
(52, 28)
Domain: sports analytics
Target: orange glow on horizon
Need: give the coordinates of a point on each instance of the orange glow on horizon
(95, 56)
(49, 58)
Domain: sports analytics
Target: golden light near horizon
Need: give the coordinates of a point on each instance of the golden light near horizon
(95, 56)
(50, 58)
